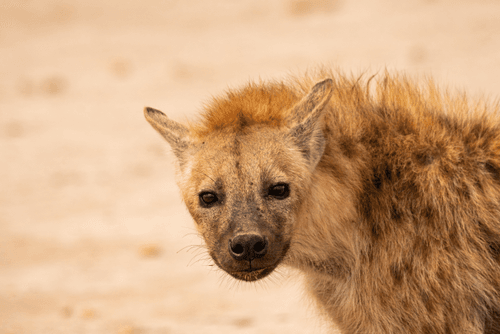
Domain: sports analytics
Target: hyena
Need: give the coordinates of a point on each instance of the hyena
(385, 193)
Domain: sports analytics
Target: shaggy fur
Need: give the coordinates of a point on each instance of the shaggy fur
(393, 212)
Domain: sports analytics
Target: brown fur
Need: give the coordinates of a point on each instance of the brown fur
(393, 212)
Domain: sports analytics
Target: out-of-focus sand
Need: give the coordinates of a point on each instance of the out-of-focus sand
(93, 235)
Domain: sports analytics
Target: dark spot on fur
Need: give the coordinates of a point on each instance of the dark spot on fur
(492, 240)
(464, 192)
(476, 178)
(396, 214)
(479, 185)
(377, 181)
(408, 267)
(375, 231)
(364, 207)
(493, 170)
(242, 121)
(430, 217)
(396, 274)
(373, 135)
(372, 204)
(494, 248)
(447, 171)
(381, 175)
(388, 173)
(428, 212)
(492, 322)
(424, 158)
(348, 147)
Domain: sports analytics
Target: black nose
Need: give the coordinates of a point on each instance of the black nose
(248, 247)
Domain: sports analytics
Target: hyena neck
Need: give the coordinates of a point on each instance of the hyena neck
(324, 241)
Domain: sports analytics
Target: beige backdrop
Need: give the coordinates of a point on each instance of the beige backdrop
(93, 235)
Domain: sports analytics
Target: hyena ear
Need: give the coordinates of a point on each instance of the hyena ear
(176, 134)
(305, 122)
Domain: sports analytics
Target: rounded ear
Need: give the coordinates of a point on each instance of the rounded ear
(176, 134)
(305, 122)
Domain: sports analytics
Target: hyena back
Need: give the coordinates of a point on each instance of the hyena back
(387, 198)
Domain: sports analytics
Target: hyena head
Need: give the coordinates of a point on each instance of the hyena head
(243, 181)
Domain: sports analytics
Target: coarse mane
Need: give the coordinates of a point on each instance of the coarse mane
(266, 104)
(357, 100)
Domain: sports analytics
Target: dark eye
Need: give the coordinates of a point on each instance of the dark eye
(279, 191)
(208, 198)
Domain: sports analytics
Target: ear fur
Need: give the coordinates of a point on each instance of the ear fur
(176, 134)
(305, 122)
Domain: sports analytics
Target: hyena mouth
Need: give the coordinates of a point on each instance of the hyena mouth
(250, 275)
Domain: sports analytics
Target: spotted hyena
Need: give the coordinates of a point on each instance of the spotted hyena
(385, 193)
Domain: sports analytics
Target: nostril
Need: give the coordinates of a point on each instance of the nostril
(260, 246)
(237, 249)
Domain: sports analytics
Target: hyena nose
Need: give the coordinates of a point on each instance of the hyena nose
(248, 247)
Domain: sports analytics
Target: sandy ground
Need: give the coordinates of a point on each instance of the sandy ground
(93, 235)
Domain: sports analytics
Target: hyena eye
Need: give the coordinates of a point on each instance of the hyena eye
(208, 198)
(279, 191)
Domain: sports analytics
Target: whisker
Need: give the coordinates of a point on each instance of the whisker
(191, 234)
(190, 248)
(201, 259)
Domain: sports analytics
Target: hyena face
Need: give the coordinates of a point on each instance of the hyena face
(242, 191)
(243, 185)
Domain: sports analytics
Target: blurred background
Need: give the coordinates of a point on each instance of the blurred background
(93, 235)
